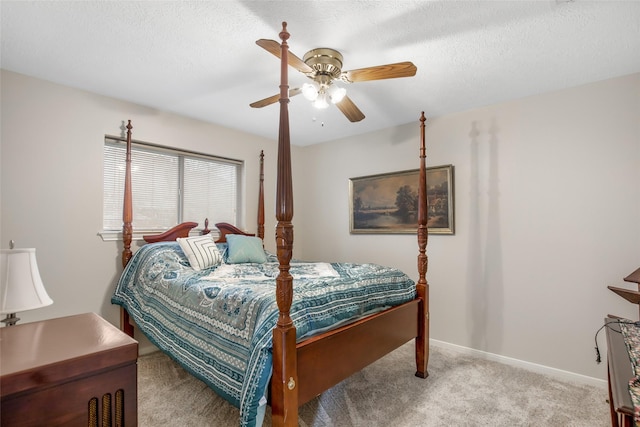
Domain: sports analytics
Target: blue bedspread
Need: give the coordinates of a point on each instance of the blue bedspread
(217, 323)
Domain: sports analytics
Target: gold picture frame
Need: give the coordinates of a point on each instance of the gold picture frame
(387, 203)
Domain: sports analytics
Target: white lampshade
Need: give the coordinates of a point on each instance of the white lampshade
(21, 287)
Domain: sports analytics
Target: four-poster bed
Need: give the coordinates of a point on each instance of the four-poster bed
(306, 358)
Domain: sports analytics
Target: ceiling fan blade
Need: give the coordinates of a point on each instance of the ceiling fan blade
(350, 110)
(380, 72)
(275, 98)
(273, 47)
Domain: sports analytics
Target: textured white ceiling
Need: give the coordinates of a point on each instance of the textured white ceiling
(199, 59)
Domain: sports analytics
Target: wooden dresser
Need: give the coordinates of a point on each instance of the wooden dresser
(73, 371)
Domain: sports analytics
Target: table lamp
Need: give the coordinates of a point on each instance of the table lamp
(21, 287)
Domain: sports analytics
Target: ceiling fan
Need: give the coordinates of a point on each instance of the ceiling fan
(324, 67)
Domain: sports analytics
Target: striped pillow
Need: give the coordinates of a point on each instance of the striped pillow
(201, 251)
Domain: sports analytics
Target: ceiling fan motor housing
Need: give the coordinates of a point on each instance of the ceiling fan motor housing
(324, 62)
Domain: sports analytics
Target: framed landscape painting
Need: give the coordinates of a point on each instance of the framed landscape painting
(388, 203)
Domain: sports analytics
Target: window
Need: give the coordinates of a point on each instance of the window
(169, 187)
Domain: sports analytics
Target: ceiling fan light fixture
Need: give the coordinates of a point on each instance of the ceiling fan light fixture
(336, 93)
(310, 91)
(321, 101)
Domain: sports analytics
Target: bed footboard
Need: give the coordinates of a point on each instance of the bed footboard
(327, 359)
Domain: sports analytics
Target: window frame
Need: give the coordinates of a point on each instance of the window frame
(181, 154)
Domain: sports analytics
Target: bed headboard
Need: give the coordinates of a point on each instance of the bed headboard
(226, 228)
(183, 230)
(180, 230)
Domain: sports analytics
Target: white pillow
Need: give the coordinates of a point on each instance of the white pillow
(201, 251)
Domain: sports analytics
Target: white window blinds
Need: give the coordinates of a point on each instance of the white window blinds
(210, 187)
(169, 187)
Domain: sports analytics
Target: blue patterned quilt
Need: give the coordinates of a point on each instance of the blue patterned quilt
(217, 323)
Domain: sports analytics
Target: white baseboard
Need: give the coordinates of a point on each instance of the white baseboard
(148, 348)
(143, 351)
(534, 367)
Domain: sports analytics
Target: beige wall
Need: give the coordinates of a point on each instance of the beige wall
(547, 197)
(547, 207)
(52, 139)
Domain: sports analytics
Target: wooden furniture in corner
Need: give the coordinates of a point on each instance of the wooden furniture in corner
(633, 296)
(619, 373)
(70, 371)
(619, 368)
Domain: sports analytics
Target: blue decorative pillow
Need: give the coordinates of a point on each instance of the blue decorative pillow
(243, 249)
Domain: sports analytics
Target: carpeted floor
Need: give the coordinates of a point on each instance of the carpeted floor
(461, 390)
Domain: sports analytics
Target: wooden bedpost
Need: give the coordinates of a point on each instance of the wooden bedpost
(284, 383)
(261, 199)
(127, 227)
(127, 209)
(422, 287)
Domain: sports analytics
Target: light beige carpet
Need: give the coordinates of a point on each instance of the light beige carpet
(461, 390)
